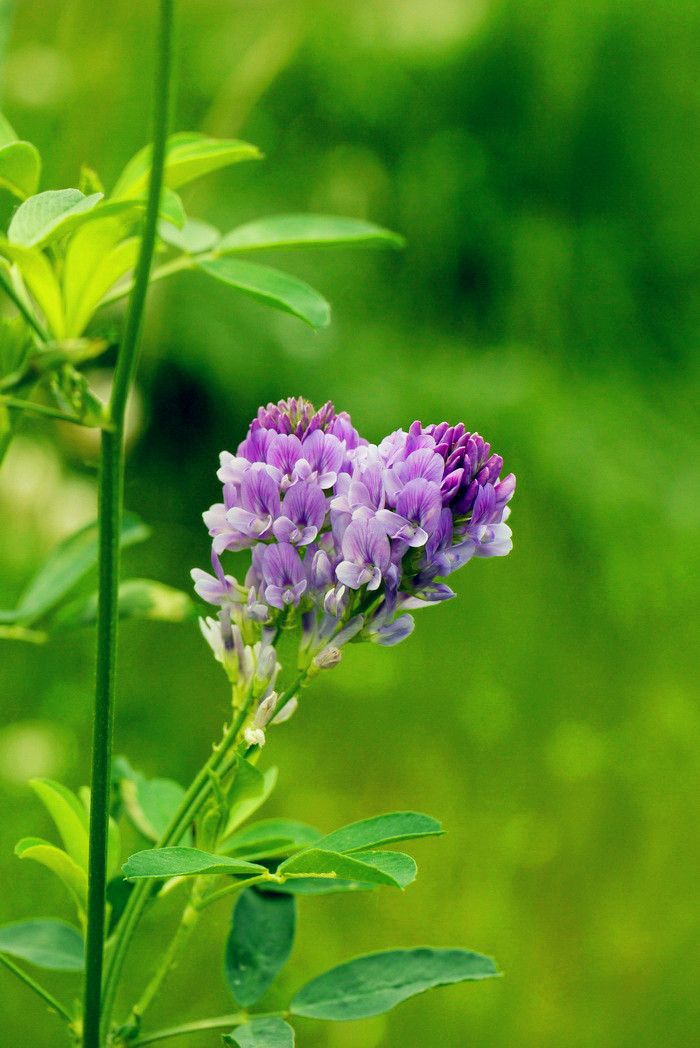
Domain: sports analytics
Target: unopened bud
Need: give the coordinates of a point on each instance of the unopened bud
(266, 664)
(328, 658)
(286, 712)
(265, 710)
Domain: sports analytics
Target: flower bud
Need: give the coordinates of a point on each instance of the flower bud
(286, 712)
(328, 658)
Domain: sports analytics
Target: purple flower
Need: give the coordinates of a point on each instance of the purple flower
(361, 495)
(366, 555)
(322, 458)
(283, 574)
(417, 513)
(298, 416)
(218, 588)
(259, 505)
(302, 515)
(326, 514)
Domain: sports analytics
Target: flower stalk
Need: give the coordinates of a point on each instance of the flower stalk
(111, 485)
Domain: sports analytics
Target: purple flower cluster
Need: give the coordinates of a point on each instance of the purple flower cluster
(345, 534)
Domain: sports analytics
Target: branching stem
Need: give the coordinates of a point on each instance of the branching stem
(48, 998)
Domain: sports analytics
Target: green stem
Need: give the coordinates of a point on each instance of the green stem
(219, 1022)
(191, 804)
(53, 1004)
(42, 409)
(190, 916)
(231, 889)
(111, 483)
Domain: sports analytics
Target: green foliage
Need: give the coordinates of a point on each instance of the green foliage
(284, 231)
(381, 829)
(375, 983)
(69, 815)
(39, 278)
(97, 256)
(317, 862)
(15, 345)
(64, 567)
(194, 237)
(149, 803)
(48, 216)
(138, 599)
(20, 168)
(184, 862)
(46, 943)
(60, 863)
(272, 287)
(188, 156)
(261, 1033)
(259, 943)
(250, 790)
(271, 837)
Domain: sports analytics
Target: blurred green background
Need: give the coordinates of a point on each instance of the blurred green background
(541, 158)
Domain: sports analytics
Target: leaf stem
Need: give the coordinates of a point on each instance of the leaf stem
(219, 1022)
(43, 409)
(111, 483)
(22, 307)
(231, 889)
(190, 916)
(53, 1004)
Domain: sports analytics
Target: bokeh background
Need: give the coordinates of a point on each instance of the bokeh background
(541, 158)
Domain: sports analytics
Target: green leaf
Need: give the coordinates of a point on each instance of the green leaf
(7, 132)
(259, 943)
(399, 866)
(39, 277)
(330, 864)
(69, 815)
(194, 237)
(282, 231)
(375, 983)
(381, 829)
(262, 1033)
(20, 168)
(262, 838)
(48, 216)
(184, 862)
(188, 155)
(171, 209)
(150, 803)
(56, 860)
(65, 566)
(46, 943)
(271, 287)
(250, 790)
(319, 886)
(15, 345)
(97, 257)
(138, 599)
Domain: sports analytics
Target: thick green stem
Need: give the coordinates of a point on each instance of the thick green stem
(111, 483)
(46, 997)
